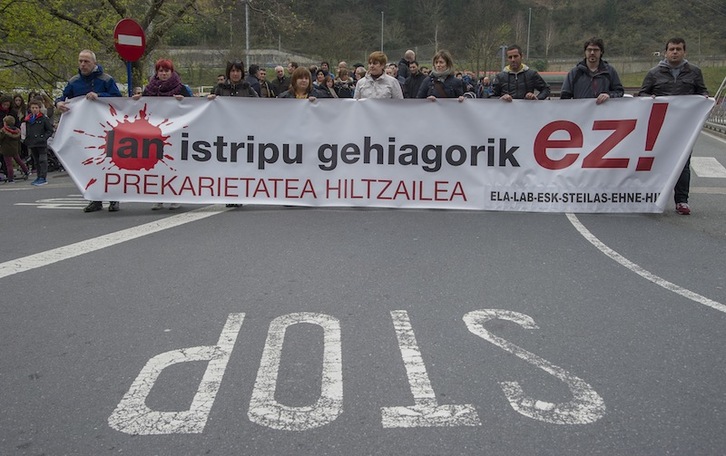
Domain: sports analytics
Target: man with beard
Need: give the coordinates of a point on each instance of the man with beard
(593, 77)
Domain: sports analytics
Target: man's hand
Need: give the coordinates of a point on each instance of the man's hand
(602, 98)
(91, 96)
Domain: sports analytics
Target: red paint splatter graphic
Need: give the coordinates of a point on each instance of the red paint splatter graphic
(132, 144)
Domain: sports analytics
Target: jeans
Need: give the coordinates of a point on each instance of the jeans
(683, 184)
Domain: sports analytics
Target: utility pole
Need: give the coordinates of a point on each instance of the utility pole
(529, 27)
(247, 31)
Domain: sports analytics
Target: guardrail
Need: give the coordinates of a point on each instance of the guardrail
(717, 118)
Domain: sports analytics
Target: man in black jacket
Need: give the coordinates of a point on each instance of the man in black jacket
(403, 65)
(518, 81)
(593, 77)
(281, 82)
(413, 81)
(675, 76)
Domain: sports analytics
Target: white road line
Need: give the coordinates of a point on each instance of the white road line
(715, 136)
(41, 259)
(642, 272)
(709, 190)
(707, 167)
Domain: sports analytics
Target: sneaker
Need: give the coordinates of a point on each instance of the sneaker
(113, 206)
(10, 181)
(40, 181)
(157, 206)
(683, 209)
(93, 206)
(173, 206)
(233, 205)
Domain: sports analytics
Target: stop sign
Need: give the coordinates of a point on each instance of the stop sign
(129, 39)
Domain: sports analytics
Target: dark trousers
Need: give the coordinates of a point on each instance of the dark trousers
(40, 159)
(684, 184)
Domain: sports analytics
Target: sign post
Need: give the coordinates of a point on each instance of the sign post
(130, 42)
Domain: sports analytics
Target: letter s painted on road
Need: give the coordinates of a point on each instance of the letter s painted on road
(586, 405)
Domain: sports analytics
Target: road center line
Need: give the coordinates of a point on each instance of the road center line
(642, 272)
(41, 259)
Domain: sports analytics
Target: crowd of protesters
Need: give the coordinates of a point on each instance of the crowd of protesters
(593, 77)
(349, 81)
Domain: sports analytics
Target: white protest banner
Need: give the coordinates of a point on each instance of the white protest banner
(548, 156)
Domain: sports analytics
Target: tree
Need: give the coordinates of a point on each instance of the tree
(156, 19)
(484, 32)
(61, 28)
(34, 47)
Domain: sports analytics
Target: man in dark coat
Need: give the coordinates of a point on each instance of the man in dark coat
(675, 76)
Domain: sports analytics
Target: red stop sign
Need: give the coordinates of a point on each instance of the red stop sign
(129, 39)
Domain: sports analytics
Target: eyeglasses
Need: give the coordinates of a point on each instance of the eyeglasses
(592, 50)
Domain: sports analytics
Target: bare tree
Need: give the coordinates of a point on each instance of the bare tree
(549, 33)
(433, 13)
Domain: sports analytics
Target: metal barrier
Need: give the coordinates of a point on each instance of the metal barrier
(717, 118)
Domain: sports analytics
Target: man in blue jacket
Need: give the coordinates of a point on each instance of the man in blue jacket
(92, 82)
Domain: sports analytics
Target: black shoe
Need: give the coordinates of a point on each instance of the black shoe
(113, 206)
(233, 205)
(93, 206)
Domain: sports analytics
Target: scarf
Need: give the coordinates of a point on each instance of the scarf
(441, 74)
(158, 88)
(31, 118)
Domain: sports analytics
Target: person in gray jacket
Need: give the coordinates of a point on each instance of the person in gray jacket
(593, 77)
(675, 76)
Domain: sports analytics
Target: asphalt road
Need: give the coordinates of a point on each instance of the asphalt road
(271, 331)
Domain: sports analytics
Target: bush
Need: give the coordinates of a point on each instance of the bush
(539, 65)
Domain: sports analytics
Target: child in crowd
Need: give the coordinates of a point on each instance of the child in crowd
(38, 129)
(10, 147)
